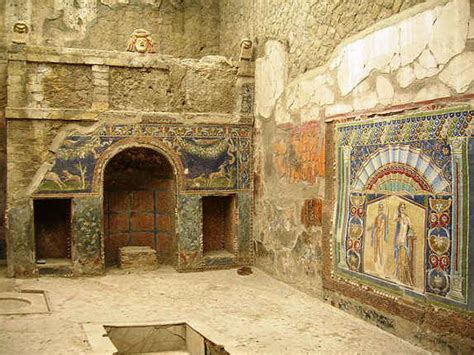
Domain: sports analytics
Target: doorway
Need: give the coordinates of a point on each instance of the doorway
(139, 204)
(52, 223)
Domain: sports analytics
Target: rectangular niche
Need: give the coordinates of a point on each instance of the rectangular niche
(218, 225)
(52, 230)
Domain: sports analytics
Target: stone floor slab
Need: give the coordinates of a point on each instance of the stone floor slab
(252, 314)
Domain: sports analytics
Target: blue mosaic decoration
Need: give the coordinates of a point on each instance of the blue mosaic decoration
(213, 157)
(402, 218)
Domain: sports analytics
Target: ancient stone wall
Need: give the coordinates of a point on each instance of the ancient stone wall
(310, 29)
(407, 64)
(3, 103)
(179, 28)
(56, 86)
(70, 110)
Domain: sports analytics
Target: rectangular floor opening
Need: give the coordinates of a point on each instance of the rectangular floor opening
(175, 339)
(53, 231)
(218, 225)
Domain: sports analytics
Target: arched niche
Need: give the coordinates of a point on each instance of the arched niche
(139, 186)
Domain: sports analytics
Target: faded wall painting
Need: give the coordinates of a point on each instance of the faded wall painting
(402, 210)
(212, 157)
(298, 156)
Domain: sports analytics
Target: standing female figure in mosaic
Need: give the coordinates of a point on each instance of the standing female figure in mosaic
(403, 246)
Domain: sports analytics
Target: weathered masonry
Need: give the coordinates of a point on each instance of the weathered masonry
(108, 149)
(328, 143)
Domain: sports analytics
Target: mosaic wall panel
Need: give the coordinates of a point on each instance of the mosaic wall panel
(189, 231)
(245, 228)
(403, 203)
(212, 157)
(88, 240)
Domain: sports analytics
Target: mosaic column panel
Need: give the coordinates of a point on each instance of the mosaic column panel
(458, 147)
(189, 231)
(244, 231)
(20, 240)
(88, 241)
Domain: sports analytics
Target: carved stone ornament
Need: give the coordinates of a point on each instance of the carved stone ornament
(246, 49)
(20, 27)
(141, 42)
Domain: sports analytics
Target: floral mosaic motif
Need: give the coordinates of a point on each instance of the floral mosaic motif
(420, 127)
(400, 205)
(87, 211)
(189, 230)
(439, 245)
(244, 225)
(355, 232)
(213, 157)
(247, 97)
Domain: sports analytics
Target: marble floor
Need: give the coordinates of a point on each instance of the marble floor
(252, 314)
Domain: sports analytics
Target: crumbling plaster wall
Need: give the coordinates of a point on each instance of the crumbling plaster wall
(310, 29)
(179, 28)
(421, 57)
(292, 37)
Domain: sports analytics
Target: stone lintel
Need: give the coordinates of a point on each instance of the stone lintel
(89, 57)
(26, 113)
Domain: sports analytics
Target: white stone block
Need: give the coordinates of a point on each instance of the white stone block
(415, 32)
(422, 72)
(281, 114)
(450, 31)
(364, 98)
(427, 60)
(338, 109)
(310, 114)
(381, 46)
(403, 97)
(431, 92)
(384, 90)
(405, 76)
(323, 95)
(395, 62)
(470, 33)
(309, 92)
(360, 57)
(271, 75)
(300, 95)
(459, 73)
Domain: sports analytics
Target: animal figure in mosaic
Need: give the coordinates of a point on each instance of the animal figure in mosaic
(53, 177)
(403, 246)
(223, 171)
(71, 177)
